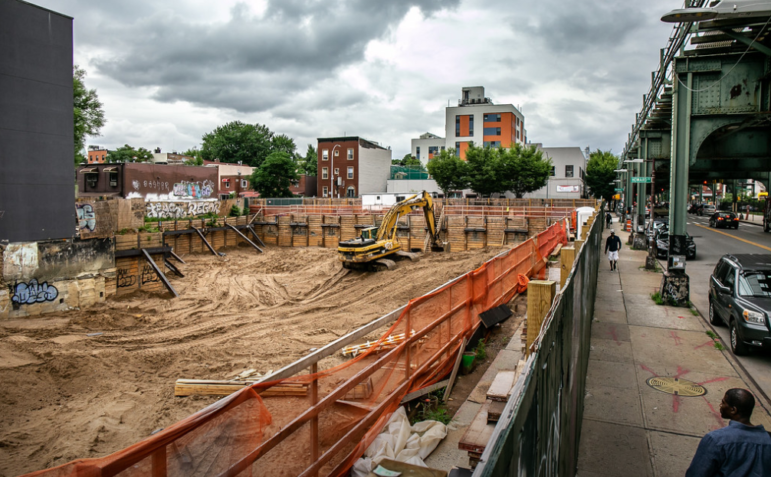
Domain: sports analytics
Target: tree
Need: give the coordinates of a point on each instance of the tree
(449, 172)
(275, 175)
(282, 143)
(88, 113)
(485, 175)
(600, 174)
(237, 141)
(127, 153)
(309, 165)
(523, 169)
(196, 154)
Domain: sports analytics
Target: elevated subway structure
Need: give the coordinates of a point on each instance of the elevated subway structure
(708, 113)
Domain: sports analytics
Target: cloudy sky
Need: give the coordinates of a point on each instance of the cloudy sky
(170, 71)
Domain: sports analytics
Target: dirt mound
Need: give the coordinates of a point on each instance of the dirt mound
(67, 395)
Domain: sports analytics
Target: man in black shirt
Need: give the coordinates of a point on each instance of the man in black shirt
(608, 219)
(612, 246)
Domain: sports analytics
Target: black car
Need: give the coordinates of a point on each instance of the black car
(724, 219)
(740, 297)
(661, 241)
(695, 208)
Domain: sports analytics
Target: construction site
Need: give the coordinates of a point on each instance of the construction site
(243, 346)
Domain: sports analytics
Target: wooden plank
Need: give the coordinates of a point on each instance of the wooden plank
(540, 295)
(501, 385)
(206, 242)
(357, 405)
(495, 411)
(160, 274)
(567, 257)
(203, 387)
(455, 368)
(556, 250)
(478, 434)
(244, 237)
(424, 391)
(173, 268)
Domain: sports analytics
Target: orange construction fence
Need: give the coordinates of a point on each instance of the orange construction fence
(330, 417)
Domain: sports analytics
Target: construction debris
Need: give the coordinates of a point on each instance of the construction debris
(388, 343)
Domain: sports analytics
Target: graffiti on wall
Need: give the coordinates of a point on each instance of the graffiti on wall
(157, 185)
(194, 189)
(179, 210)
(125, 279)
(86, 217)
(34, 292)
(149, 275)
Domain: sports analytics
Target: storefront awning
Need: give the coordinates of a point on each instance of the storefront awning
(88, 170)
(110, 169)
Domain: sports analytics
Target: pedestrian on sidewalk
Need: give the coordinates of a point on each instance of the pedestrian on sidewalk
(739, 449)
(613, 244)
(608, 219)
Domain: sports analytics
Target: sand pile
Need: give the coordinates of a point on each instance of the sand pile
(66, 395)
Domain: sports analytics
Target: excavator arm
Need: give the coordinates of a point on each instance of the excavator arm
(387, 228)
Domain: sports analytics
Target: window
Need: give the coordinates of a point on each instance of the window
(553, 171)
(324, 174)
(351, 192)
(91, 179)
(433, 150)
(337, 152)
(457, 126)
(471, 125)
(350, 154)
(325, 155)
(244, 184)
(457, 149)
(442, 148)
(337, 171)
(492, 118)
(324, 190)
(720, 271)
(756, 283)
(350, 172)
(492, 131)
(492, 144)
(569, 171)
(417, 152)
(227, 184)
(517, 133)
(730, 278)
(113, 179)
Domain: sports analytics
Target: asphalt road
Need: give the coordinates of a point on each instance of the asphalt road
(711, 244)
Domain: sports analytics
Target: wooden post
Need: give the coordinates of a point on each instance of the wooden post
(314, 419)
(578, 244)
(540, 295)
(567, 256)
(158, 462)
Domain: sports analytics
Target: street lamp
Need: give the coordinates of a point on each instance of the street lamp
(720, 11)
(332, 173)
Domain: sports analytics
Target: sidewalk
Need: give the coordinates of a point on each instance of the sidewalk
(754, 220)
(630, 428)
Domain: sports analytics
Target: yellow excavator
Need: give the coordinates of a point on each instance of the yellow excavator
(370, 250)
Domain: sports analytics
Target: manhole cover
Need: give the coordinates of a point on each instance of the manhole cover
(676, 386)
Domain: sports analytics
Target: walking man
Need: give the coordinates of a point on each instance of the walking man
(612, 246)
(608, 219)
(739, 449)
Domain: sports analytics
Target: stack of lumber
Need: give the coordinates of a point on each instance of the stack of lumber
(388, 343)
(284, 231)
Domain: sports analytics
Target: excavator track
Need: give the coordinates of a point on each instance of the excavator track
(384, 264)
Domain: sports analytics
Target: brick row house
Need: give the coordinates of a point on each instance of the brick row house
(351, 166)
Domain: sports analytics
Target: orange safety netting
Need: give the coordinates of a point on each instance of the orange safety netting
(325, 429)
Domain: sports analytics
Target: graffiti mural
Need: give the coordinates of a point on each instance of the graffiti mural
(125, 279)
(157, 185)
(149, 275)
(34, 292)
(86, 217)
(135, 183)
(194, 189)
(179, 210)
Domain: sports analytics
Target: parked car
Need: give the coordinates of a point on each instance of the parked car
(695, 208)
(724, 219)
(662, 244)
(707, 210)
(654, 226)
(740, 297)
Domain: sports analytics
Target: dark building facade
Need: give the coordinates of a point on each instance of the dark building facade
(37, 193)
(160, 181)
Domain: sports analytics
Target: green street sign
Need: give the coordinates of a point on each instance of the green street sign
(641, 180)
(619, 189)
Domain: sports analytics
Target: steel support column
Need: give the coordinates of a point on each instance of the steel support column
(674, 285)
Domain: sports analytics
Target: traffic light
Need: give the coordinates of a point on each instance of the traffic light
(705, 182)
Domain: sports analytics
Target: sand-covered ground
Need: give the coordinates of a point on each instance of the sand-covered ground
(65, 395)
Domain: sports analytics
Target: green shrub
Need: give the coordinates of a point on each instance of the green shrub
(480, 352)
(235, 211)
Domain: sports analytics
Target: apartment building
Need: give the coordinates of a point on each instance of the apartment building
(475, 119)
(97, 155)
(351, 166)
(567, 173)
